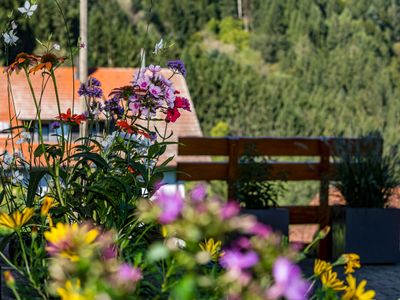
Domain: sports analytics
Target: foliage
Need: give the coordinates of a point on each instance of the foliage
(367, 179)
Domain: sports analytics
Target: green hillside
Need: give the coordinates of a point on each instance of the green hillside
(303, 67)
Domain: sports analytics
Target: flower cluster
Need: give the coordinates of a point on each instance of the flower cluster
(91, 89)
(198, 233)
(332, 285)
(85, 264)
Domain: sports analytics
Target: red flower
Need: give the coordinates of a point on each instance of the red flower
(172, 114)
(71, 118)
(181, 102)
(131, 129)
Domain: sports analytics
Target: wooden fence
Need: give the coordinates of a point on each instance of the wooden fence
(322, 170)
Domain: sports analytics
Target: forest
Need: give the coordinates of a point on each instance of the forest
(278, 68)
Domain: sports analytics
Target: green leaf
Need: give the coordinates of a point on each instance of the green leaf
(34, 179)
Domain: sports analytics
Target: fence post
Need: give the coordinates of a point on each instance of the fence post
(325, 245)
(233, 143)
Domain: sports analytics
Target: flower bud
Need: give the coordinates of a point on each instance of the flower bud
(9, 278)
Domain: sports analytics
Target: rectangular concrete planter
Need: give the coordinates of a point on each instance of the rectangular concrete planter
(277, 218)
(374, 234)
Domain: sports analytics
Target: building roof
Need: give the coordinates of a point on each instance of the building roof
(186, 125)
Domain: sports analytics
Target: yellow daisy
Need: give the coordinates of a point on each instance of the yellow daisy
(48, 203)
(329, 280)
(212, 247)
(321, 266)
(17, 219)
(71, 241)
(352, 262)
(354, 292)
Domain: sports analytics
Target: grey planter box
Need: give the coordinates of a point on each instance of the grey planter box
(277, 218)
(374, 234)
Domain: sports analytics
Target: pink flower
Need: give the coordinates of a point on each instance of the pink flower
(143, 82)
(198, 193)
(171, 206)
(237, 260)
(229, 210)
(260, 230)
(155, 90)
(127, 273)
(289, 282)
(154, 69)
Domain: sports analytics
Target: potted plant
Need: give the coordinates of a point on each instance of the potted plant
(366, 181)
(258, 196)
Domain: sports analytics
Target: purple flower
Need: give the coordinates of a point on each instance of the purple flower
(154, 69)
(177, 66)
(91, 89)
(155, 90)
(171, 206)
(229, 210)
(289, 282)
(55, 125)
(128, 274)
(113, 107)
(143, 82)
(237, 260)
(198, 193)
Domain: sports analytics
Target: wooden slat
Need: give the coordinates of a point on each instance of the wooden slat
(189, 171)
(220, 171)
(274, 146)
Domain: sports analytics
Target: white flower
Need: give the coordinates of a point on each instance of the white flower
(158, 47)
(24, 137)
(7, 161)
(14, 25)
(10, 38)
(28, 9)
(57, 47)
(17, 177)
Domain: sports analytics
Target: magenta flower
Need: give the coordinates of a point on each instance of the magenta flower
(289, 282)
(171, 206)
(155, 90)
(181, 102)
(128, 274)
(260, 230)
(198, 193)
(143, 82)
(229, 210)
(237, 260)
(172, 115)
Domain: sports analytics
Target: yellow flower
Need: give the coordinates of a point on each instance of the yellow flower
(71, 241)
(46, 205)
(71, 291)
(329, 280)
(352, 261)
(164, 231)
(354, 292)
(9, 278)
(321, 266)
(212, 247)
(17, 219)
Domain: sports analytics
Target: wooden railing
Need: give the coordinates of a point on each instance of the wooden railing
(235, 147)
